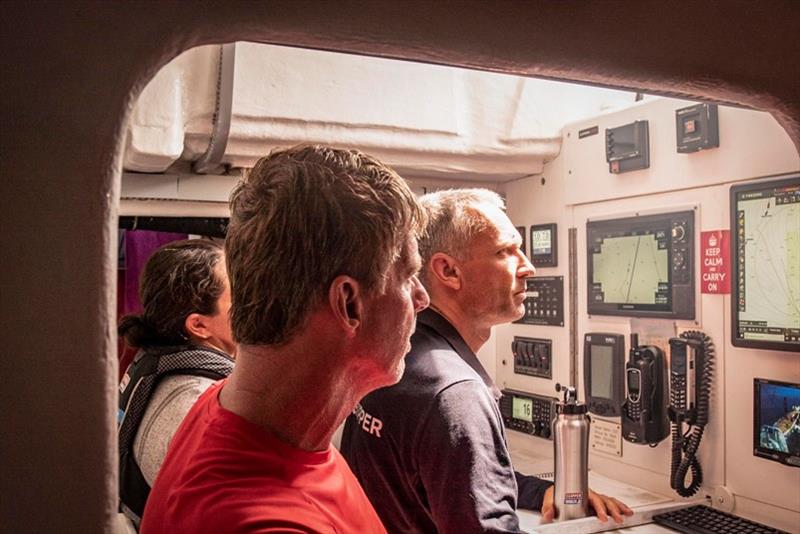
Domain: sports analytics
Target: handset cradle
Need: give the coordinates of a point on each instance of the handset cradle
(644, 414)
(691, 374)
(682, 380)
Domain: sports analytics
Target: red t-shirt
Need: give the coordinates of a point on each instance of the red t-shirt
(224, 474)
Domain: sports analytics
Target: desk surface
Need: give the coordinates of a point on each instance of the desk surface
(644, 503)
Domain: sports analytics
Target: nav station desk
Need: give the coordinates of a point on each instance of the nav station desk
(643, 503)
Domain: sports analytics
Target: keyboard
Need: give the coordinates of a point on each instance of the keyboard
(702, 519)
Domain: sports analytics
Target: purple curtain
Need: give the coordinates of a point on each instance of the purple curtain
(135, 249)
(139, 245)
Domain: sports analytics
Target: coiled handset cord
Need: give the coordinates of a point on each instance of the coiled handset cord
(684, 445)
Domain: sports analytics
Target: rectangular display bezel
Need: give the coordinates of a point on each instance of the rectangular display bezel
(737, 341)
(758, 450)
(549, 259)
(681, 303)
(605, 406)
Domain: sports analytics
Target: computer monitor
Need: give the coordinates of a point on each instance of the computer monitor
(641, 266)
(776, 421)
(765, 249)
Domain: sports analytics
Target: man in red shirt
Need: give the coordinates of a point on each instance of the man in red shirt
(323, 262)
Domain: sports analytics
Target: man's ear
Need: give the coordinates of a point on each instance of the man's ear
(446, 270)
(197, 326)
(345, 299)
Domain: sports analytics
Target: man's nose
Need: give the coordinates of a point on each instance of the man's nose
(421, 298)
(526, 269)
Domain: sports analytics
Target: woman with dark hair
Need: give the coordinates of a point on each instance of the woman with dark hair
(184, 344)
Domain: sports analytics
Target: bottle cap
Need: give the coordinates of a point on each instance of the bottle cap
(571, 409)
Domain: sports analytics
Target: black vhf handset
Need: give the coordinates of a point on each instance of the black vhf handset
(691, 372)
(644, 416)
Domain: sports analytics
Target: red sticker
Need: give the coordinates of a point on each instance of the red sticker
(715, 260)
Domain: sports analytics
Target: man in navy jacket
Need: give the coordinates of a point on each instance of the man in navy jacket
(430, 451)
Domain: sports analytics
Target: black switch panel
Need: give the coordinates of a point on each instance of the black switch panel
(544, 304)
(533, 357)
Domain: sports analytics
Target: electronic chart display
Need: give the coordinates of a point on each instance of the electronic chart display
(765, 228)
(642, 266)
(633, 269)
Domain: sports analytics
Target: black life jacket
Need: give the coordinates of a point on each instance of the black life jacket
(136, 388)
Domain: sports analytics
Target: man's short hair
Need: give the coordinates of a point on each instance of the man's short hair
(178, 279)
(455, 217)
(302, 217)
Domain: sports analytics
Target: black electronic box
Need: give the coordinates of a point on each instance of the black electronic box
(544, 245)
(776, 421)
(527, 412)
(603, 370)
(642, 266)
(697, 128)
(628, 147)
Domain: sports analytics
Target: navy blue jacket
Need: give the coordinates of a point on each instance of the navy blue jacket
(431, 451)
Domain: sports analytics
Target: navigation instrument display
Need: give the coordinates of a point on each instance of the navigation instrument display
(634, 269)
(765, 224)
(541, 242)
(642, 266)
(523, 409)
(603, 368)
(602, 361)
(544, 245)
(776, 421)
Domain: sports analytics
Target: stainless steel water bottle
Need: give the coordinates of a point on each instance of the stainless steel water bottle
(571, 444)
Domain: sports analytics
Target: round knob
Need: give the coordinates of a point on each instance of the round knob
(678, 232)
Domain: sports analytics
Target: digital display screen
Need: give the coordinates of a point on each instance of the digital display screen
(544, 245)
(641, 266)
(777, 417)
(766, 250)
(541, 242)
(632, 268)
(624, 142)
(602, 371)
(633, 382)
(522, 409)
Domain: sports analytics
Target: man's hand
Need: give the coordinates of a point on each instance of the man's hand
(548, 505)
(602, 505)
